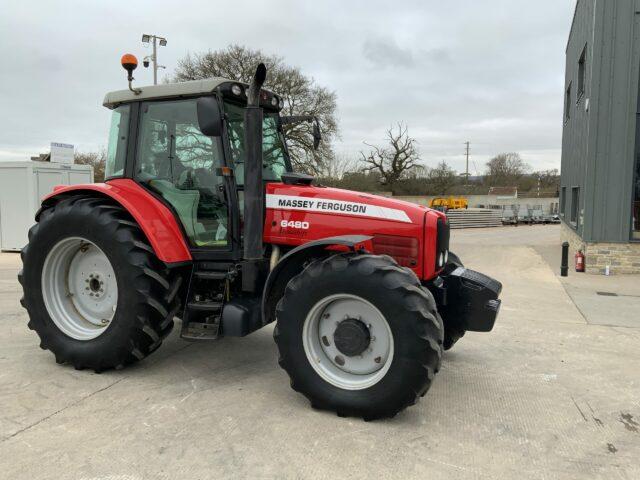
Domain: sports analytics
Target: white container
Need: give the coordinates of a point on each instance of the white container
(22, 186)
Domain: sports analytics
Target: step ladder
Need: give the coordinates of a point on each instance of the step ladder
(203, 311)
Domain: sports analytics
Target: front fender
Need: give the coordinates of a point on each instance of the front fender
(293, 263)
(156, 220)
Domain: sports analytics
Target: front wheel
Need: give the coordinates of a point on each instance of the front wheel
(358, 335)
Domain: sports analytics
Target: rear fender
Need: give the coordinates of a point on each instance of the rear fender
(294, 261)
(156, 220)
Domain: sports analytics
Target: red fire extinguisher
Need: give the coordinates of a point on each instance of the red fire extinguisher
(579, 261)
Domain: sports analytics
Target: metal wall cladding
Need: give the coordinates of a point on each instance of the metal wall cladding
(599, 137)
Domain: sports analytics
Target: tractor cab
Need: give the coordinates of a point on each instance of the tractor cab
(155, 138)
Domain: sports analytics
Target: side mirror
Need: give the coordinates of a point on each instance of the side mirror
(315, 130)
(317, 136)
(209, 116)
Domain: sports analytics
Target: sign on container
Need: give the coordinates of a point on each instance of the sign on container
(62, 153)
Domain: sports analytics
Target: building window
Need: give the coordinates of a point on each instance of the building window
(635, 211)
(582, 69)
(575, 207)
(567, 103)
(563, 200)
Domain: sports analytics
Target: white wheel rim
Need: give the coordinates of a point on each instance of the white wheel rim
(79, 288)
(347, 372)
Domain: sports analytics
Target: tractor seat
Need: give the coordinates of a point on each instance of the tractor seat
(184, 202)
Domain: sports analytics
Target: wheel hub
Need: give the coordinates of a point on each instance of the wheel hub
(352, 337)
(79, 288)
(348, 341)
(95, 284)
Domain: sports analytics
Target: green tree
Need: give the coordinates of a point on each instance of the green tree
(441, 179)
(549, 179)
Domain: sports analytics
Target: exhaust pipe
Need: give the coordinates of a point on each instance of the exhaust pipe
(253, 187)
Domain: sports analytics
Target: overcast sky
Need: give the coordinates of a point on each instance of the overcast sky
(490, 72)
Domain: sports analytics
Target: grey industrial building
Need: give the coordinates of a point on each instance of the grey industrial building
(600, 189)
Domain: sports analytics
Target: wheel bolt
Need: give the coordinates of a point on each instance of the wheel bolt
(377, 359)
(339, 360)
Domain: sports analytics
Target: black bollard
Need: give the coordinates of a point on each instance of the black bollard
(564, 266)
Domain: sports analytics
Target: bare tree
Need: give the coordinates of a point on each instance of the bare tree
(505, 169)
(301, 95)
(336, 167)
(96, 159)
(395, 161)
(548, 179)
(441, 178)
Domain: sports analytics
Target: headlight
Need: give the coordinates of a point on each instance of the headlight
(446, 256)
(441, 259)
(236, 90)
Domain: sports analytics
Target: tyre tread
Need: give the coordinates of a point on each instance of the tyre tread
(155, 283)
(425, 322)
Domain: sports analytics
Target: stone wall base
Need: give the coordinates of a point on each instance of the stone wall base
(622, 258)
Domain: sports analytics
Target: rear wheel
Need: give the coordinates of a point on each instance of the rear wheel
(358, 335)
(95, 292)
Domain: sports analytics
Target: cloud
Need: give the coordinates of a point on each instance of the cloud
(452, 71)
(386, 53)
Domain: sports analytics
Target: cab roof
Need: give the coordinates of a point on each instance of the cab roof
(166, 90)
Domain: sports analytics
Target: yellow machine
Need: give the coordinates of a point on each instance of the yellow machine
(451, 203)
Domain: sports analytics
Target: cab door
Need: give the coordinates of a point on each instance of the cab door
(179, 163)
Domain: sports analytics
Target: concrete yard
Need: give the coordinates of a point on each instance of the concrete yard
(552, 393)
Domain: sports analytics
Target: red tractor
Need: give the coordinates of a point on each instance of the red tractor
(202, 218)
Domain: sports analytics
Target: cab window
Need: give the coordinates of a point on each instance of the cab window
(179, 162)
(117, 143)
(274, 161)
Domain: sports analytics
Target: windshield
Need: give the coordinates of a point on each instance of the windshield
(274, 161)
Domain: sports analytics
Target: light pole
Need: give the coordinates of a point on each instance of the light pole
(154, 39)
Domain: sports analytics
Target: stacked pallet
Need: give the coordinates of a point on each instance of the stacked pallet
(474, 218)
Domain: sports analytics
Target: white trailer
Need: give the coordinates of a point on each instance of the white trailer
(22, 186)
